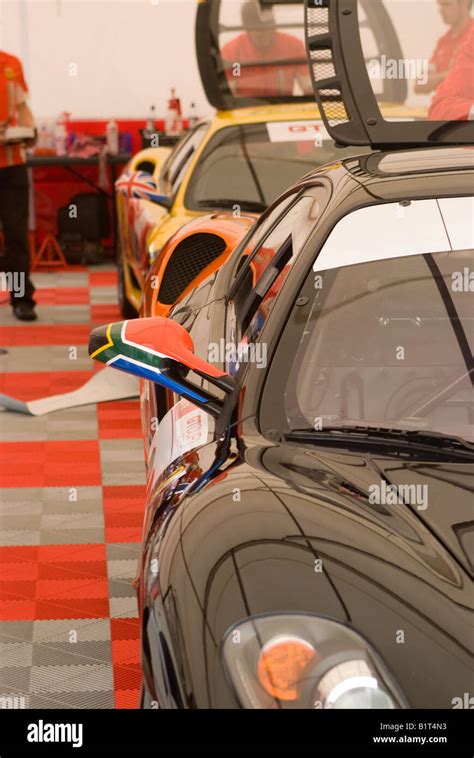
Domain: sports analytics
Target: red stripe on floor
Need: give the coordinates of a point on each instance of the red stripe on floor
(63, 582)
(125, 635)
(123, 513)
(102, 278)
(62, 296)
(54, 334)
(105, 314)
(50, 464)
(119, 419)
(34, 385)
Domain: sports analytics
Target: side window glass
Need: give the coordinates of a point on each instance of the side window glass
(175, 167)
(265, 270)
(260, 231)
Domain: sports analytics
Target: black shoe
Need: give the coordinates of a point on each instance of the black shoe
(24, 312)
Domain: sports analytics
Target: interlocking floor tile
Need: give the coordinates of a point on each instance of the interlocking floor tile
(74, 700)
(53, 334)
(50, 464)
(103, 296)
(71, 424)
(16, 654)
(72, 678)
(71, 510)
(49, 314)
(120, 569)
(84, 630)
(123, 513)
(72, 357)
(16, 631)
(61, 296)
(55, 279)
(122, 462)
(103, 278)
(125, 634)
(123, 607)
(119, 419)
(105, 313)
(69, 501)
(34, 385)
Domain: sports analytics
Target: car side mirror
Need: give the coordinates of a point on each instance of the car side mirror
(140, 185)
(162, 351)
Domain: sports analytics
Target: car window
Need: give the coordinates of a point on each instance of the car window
(266, 268)
(250, 166)
(386, 335)
(416, 227)
(177, 164)
(258, 233)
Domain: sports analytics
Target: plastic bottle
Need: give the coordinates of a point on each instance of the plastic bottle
(112, 134)
(150, 122)
(44, 137)
(60, 136)
(193, 117)
(173, 121)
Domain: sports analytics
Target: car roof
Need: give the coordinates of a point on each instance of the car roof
(296, 111)
(401, 163)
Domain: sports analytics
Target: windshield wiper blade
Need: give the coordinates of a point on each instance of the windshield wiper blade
(251, 206)
(385, 437)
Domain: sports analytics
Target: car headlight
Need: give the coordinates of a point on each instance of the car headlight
(305, 661)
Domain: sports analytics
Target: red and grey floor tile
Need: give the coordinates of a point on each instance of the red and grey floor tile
(71, 509)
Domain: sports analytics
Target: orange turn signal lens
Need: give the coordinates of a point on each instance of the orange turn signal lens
(281, 664)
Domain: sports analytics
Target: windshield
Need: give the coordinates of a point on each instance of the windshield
(388, 343)
(248, 166)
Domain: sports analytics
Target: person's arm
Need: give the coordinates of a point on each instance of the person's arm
(434, 80)
(302, 75)
(229, 54)
(304, 80)
(435, 77)
(25, 116)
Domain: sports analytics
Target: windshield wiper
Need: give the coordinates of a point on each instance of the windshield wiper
(385, 437)
(251, 206)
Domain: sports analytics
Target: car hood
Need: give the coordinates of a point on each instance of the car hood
(399, 575)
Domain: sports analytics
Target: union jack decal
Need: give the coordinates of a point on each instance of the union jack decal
(138, 185)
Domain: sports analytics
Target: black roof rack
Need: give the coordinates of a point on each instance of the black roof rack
(213, 30)
(342, 85)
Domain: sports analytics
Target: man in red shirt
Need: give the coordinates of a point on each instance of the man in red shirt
(456, 14)
(261, 42)
(454, 98)
(14, 111)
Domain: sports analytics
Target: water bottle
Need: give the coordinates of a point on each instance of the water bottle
(112, 134)
(60, 137)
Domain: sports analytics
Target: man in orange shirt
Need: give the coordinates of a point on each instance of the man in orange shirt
(261, 42)
(14, 111)
(454, 98)
(456, 14)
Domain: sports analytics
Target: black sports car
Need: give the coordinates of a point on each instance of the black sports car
(308, 531)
